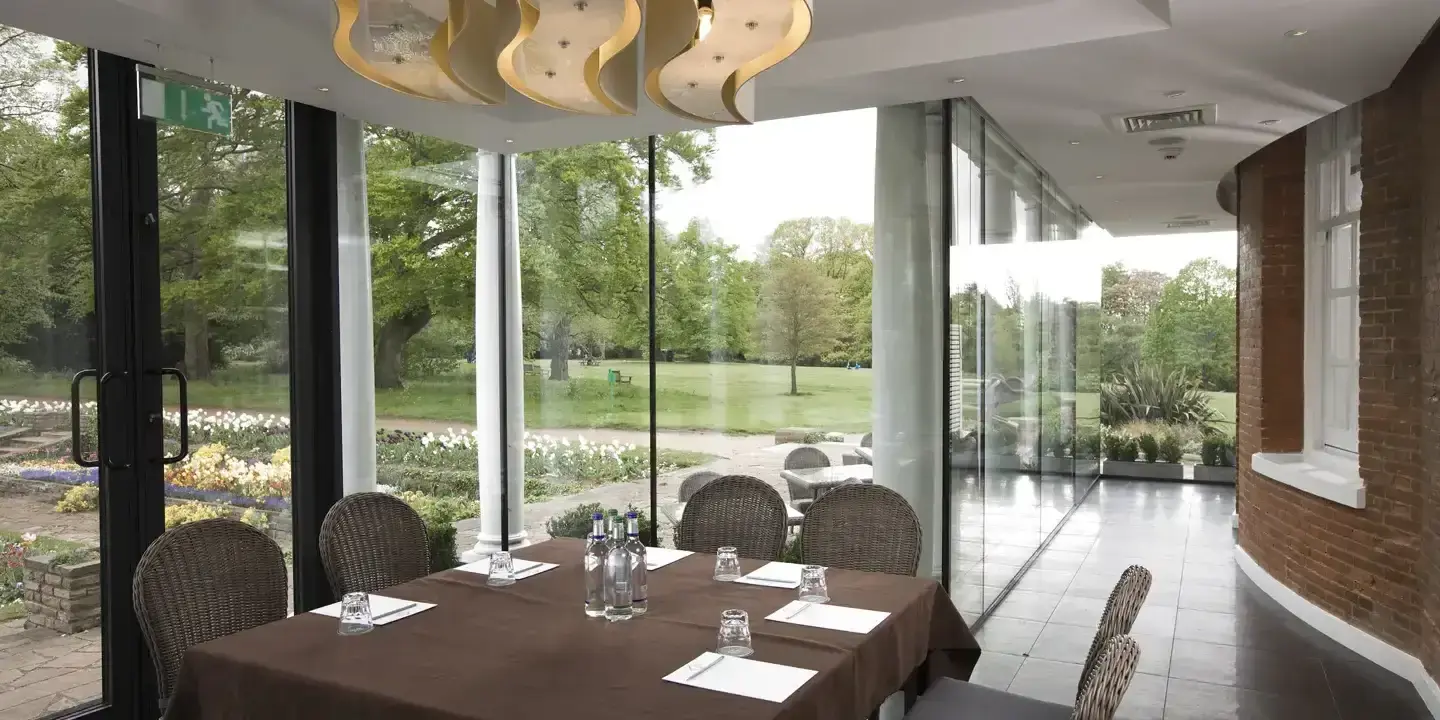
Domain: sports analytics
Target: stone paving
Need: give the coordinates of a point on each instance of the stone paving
(43, 672)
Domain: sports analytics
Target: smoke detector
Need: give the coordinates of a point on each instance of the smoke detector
(1162, 120)
(1169, 146)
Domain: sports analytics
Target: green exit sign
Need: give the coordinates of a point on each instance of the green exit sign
(177, 103)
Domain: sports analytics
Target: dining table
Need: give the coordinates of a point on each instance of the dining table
(528, 652)
(825, 478)
(867, 455)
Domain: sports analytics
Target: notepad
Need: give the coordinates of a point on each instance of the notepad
(775, 574)
(742, 676)
(523, 568)
(383, 610)
(830, 617)
(656, 558)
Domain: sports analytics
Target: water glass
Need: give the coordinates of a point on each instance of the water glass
(734, 634)
(812, 585)
(727, 564)
(355, 614)
(502, 570)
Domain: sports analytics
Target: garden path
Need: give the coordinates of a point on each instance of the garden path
(43, 672)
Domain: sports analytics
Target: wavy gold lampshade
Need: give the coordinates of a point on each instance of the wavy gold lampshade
(435, 49)
(576, 55)
(700, 55)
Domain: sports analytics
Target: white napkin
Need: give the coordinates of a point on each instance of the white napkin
(775, 574)
(523, 568)
(742, 676)
(382, 609)
(830, 617)
(656, 558)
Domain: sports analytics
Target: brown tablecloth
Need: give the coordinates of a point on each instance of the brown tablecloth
(528, 652)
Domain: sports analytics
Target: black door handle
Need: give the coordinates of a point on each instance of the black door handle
(184, 383)
(100, 434)
(75, 453)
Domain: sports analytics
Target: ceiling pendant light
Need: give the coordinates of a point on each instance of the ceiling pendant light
(700, 55)
(576, 55)
(435, 49)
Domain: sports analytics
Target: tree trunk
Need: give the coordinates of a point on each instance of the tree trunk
(558, 345)
(390, 346)
(197, 342)
(794, 389)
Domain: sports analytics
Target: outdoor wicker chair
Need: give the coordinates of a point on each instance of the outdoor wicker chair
(867, 440)
(693, 482)
(804, 458)
(735, 510)
(1100, 695)
(201, 581)
(863, 527)
(1120, 612)
(371, 541)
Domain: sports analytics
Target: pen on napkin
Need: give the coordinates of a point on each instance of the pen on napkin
(706, 666)
(771, 581)
(803, 607)
(388, 613)
(522, 569)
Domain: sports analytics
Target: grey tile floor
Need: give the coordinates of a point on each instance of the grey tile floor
(1213, 647)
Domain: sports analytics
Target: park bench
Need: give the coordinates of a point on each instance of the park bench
(619, 377)
(532, 369)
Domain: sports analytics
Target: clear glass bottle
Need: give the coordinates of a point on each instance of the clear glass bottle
(619, 596)
(639, 580)
(596, 551)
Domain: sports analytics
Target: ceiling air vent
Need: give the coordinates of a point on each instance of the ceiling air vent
(1178, 224)
(1176, 119)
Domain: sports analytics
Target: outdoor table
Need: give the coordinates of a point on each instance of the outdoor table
(825, 478)
(866, 454)
(527, 652)
(675, 510)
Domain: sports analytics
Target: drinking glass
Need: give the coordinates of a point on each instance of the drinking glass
(502, 570)
(734, 634)
(355, 614)
(812, 584)
(727, 564)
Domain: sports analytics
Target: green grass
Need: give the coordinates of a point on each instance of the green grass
(735, 398)
(44, 544)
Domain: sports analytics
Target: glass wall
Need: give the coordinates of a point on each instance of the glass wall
(1017, 461)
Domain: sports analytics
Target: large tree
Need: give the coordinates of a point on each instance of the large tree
(1193, 324)
(844, 251)
(705, 295)
(799, 312)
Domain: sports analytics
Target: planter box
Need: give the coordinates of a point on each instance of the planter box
(63, 598)
(1057, 465)
(1143, 470)
(1215, 474)
(1087, 467)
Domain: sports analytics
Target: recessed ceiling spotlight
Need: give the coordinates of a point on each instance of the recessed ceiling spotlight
(1099, 177)
(1298, 32)
(323, 89)
(1269, 122)
(1074, 142)
(1175, 94)
(957, 80)
(508, 140)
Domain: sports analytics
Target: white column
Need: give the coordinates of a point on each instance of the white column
(496, 209)
(907, 298)
(357, 316)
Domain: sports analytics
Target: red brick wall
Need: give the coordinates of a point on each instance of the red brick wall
(1377, 568)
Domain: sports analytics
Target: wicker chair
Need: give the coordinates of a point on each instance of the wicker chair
(735, 510)
(804, 458)
(1098, 700)
(201, 581)
(693, 482)
(863, 527)
(371, 541)
(867, 440)
(1120, 612)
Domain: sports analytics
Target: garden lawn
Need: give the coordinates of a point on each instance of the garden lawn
(734, 398)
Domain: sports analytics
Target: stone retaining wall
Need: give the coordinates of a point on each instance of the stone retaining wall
(63, 598)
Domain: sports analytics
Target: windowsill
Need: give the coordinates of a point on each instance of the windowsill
(1337, 482)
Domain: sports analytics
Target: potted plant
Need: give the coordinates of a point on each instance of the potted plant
(1059, 456)
(1122, 456)
(1217, 459)
(1089, 448)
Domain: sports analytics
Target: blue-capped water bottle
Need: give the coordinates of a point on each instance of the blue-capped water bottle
(639, 602)
(596, 552)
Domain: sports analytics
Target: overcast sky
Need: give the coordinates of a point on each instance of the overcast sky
(824, 165)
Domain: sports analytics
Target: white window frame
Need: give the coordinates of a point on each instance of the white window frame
(1332, 153)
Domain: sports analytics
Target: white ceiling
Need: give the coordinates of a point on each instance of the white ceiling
(1050, 71)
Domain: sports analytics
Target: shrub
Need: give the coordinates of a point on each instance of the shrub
(1150, 393)
(577, 521)
(192, 511)
(1089, 443)
(1129, 449)
(1217, 450)
(1170, 447)
(81, 498)
(431, 481)
(1115, 445)
(1149, 447)
(256, 519)
(793, 553)
(440, 515)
